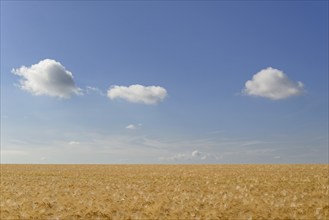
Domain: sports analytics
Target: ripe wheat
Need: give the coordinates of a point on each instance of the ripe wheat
(164, 192)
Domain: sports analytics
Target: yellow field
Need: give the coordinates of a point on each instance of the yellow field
(164, 192)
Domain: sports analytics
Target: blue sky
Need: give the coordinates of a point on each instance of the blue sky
(164, 82)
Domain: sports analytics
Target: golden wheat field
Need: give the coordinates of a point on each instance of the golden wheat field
(164, 192)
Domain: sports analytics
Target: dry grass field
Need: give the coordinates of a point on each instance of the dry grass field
(164, 192)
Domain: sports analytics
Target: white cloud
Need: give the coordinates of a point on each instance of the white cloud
(48, 77)
(195, 157)
(90, 89)
(74, 143)
(176, 157)
(196, 153)
(273, 84)
(138, 93)
(133, 127)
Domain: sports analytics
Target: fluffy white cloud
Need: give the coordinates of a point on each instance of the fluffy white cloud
(48, 77)
(273, 84)
(138, 93)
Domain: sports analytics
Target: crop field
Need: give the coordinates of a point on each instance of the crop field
(164, 192)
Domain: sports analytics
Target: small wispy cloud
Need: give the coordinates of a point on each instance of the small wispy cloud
(138, 93)
(48, 77)
(194, 156)
(74, 143)
(175, 157)
(200, 155)
(91, 89)
(272, 84)
(133, 127)
(196, 153)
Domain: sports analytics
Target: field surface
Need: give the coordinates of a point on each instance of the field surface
(164, 192)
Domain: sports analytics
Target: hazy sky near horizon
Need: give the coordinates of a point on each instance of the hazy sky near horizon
(164, 82)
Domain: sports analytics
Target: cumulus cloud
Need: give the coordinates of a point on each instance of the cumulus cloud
(273, 84)
(138, 93)
(48, 77)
